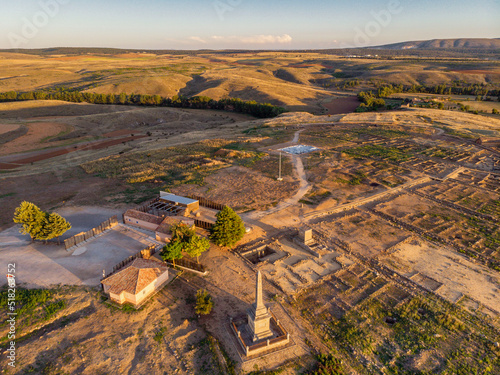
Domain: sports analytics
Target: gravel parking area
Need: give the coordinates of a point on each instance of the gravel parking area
(40, 265)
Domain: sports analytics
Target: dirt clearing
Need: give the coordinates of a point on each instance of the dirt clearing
(459, 276)
(242, 189)
(342, 105)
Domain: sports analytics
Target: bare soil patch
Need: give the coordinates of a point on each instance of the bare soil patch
(242, 189)
(118, 133)
(5, 128)
(44, 155)
(58, 190)
(341, 105)
(37, 132)
(367, 234)
(458, 274)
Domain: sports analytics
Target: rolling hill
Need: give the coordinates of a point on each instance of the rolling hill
(473, 43)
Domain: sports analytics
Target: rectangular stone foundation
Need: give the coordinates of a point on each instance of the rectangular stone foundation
(280, 337)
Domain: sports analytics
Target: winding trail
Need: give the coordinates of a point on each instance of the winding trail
(304, 186)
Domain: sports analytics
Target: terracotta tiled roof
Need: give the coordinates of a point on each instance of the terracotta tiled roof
(136, 276)
(144, 216)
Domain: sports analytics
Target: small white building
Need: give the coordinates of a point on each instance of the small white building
(136, 282)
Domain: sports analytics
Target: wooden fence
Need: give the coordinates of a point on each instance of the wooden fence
(203, 224)
(189, 264)
(79, 238)
(145, 206)
(204, 202)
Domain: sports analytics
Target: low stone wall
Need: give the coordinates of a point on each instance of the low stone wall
(251, 350)
(453, 206)
(474, 256)
(305, 247)
(363, 201)
(403, 242)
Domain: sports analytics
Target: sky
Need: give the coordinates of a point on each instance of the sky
(241, 24)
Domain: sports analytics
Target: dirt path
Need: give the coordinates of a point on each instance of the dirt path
(303, 188)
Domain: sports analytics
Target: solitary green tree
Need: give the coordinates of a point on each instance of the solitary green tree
(195, 246)
(38, 224)
(55, 226)
(32, 219)
(172, 251)
(204, 303)
(228, 228)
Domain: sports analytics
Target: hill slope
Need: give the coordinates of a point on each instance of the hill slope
(446, 43)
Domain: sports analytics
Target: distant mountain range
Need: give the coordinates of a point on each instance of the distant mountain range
(468, 43)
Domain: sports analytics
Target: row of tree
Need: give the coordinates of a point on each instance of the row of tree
(263, 110)
(475, 89)
(227, 231)
(40, 225)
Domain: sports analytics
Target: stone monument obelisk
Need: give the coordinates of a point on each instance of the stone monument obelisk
(258, 315)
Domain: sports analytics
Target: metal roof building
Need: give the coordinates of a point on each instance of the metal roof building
(191, 204)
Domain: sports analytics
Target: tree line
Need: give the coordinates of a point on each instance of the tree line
(457, 88)
(373, 99)
(262, 110)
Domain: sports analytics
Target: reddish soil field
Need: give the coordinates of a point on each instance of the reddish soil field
(342, 105)
(119, 133)
(37, 132)
(51, 154)
(5, 128)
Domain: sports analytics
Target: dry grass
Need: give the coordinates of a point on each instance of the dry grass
(185, 164)
(299, 81)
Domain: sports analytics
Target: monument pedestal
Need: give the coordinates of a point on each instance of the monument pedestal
(260, 325)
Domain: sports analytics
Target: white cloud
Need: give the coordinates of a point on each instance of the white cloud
(267, 39)
(197, 39)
